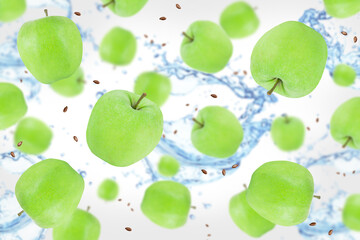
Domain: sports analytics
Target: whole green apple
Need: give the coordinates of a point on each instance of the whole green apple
(71, 86)
(51, 48)
(118, 47)
(289, 59)
(344, 75)
(81, 226)
(239, 20)
(156, 86)
(34, 134)
(281, 192)
(351, 212)
(108, 190)
(49, 192)
(216, 132)
(206, 47)
(168, 166)
(124, 8)
(167, 204)
(288, 133)
(345, 124)
(12, 105)
(342, 8)
(246, 218)
(124, 127)
(11, 9)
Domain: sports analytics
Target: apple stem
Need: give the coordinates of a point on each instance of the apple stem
(138, 101)
(347, 142)
(190, 38)
(287, 120)
(195, 120)
(317, 196)
(107, 4)
(278, 80)
(20, 213)
(88, 208)
(46, 12)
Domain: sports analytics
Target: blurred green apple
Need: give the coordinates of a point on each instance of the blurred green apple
(71, 86)
(344, 75)
(289, 59)
(351, 212)
(342, 8)
(168, 166)
(108, 190)
(11, 9)
(124, 8)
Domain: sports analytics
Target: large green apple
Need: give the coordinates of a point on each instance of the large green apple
(12, 105)
(345, 123)
(108, 190)
(288, 133)
(118, 47)
(11, 9)
(351, 212)
(216, 132)
(342, 8)
(239, 20)
(49, 192)
(246, 218)
(281, 192)
(167, 204)
(124, 127)
(81, 226)
(344, 75)
(206, 47)
(71, 86)
(289, 59)
(51, 48)
(156, 86)
(124, 8)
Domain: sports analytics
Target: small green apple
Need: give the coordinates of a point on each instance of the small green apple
(206, 47)
(34, 134)
(11, 9)
(124, 8)
(351, 212)
(12, 105)
(288, 133)
(71, 86)
(108, 190)
(118, 47)
(51, 48)
(239, 20)
(216, 132)
(344, 75)
(345, 123)
(289, 59)
(167, 204)
(49, 192)
(124, 127)
(81, 226)
(246, 218)
(342, 8)
(156, 86)
(281, 192)
(168, 166)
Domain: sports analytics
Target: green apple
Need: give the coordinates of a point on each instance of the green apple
(288, 133)
(345, 123)
(81, 226)
(51, 48)
(246, 218)
(108, 190)
(344, 75)
(351, 212)
(206, 47)
(124, 127)
(12, 105)
(167, 204)
(289, 59)
(71, 86)
(124, 8)
(118, 47)
(49, 192)
(168, 166)
(239, 20)
(342, 8)
(11, 9)
(216, 132)
(34, 134)
(281, 192)
(156, 86)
